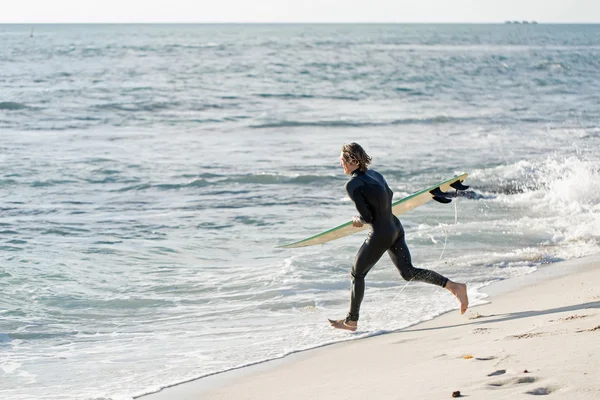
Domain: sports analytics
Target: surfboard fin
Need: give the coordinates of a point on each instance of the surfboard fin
(441, 197)
(459, 186)
(446, 197)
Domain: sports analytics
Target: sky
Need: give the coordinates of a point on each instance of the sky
(52, 11)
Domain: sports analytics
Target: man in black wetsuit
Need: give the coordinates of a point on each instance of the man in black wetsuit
(373, 199)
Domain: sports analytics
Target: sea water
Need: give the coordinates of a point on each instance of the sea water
(149, 172)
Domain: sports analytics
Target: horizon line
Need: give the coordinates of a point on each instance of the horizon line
(507, 22)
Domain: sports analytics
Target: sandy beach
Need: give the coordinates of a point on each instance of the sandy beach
(539, 335)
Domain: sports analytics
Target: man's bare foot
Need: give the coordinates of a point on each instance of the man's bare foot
(344, 324)
(460, 291)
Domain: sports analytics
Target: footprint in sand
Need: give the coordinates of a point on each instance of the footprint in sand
(596, 329)
(477, 316)
(405, 340)
(498, 372)
(512, 381)
(541, 391)
(570, 318)
(526, 335)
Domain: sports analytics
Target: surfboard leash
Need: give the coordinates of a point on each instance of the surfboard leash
(439, 259)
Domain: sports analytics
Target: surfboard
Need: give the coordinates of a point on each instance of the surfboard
(437, 192)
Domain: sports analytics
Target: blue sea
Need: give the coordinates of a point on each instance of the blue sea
(149, 172)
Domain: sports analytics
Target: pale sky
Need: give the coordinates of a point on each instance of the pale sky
(29, 11)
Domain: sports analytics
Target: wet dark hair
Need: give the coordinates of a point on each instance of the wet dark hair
(355, 154)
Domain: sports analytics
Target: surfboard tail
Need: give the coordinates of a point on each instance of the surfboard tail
(441, 197)
(446, 197)
(458, 185)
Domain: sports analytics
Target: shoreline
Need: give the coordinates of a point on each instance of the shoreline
(224, 384)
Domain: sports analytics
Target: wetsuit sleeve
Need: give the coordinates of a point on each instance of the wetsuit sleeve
(358, 198)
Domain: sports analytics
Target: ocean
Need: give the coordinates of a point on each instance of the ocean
(149, 172)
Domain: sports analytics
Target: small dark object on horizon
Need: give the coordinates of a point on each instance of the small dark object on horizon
(525, 371)
(456, 394)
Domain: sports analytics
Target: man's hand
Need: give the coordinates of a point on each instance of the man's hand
(356, 222)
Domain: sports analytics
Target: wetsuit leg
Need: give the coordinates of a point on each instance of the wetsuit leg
(401, 258)
(368, 255)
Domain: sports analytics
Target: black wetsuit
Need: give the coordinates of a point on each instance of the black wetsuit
(373, 199)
